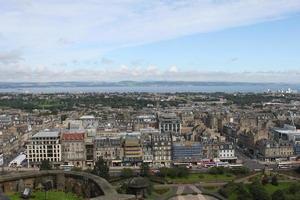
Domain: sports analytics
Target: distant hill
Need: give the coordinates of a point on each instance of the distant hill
(7, 85)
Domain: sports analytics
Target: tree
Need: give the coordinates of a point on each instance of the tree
(101, 168)
(45, 165)
(258, 191)
(265, 180)
(278, 195)
(217, 170)
(242, 192)
(240, 170)
(63, 117)
(182, 172)
(144, 169)
(163, 172)
(126, 173)
(294, 188)
(228, 189)
(172, 172)
(274, 180)
(297, 170)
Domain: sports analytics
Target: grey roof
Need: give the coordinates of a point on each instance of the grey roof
(46, 134)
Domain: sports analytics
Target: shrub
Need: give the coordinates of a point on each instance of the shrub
(278, 195)
(258, 191)
(126, 173)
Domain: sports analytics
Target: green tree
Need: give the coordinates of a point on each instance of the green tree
(265, 180)
(217, 170)
(63, 118)
(163, 172)
(126, 173)
(294, 188)
(144, 169)
(240, 170)
(278, 195)
(172, 172)
(101, 168)
(274, 180)
(45, 165)
(182, 172)
(228, 189)
(258, 191)
(242, 192)
(297, 170)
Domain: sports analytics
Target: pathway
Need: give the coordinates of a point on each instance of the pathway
(193, 188)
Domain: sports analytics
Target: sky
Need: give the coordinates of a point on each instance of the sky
(142, 40)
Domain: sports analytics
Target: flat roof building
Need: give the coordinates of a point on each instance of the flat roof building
(44, 145)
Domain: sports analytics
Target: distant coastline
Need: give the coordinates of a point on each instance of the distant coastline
(146, 86)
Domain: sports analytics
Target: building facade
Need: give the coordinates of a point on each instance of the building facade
(133, 153)
(269, 150)
(162, 149)
(169, 123)
(110, 149)
(73, 148)
(186, 152)
(44, 145)
(227, 153)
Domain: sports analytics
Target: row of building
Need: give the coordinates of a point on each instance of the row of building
(75, 147)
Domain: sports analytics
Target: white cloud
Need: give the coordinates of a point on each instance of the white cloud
(13, 56)
(173, 69)
(13, 72)
(45, 25)
(61, 31)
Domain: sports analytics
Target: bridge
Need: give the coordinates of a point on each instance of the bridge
(81, 183)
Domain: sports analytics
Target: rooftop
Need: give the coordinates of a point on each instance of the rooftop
(46, 134)
(287, 129)
(87, 117)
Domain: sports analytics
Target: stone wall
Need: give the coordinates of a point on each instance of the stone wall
(83, 184)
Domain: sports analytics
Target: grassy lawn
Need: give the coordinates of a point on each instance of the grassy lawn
(272, 188)
(51, 195)
(195, 178)
(269, 188)
(211, 188)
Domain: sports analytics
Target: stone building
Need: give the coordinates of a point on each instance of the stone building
(210, 149)
(162, 149)
(73, 147)
(248, 138)
(169, 123)
(226, 153)
(269, 150)
(230, 131)
(110, 149)
(144, 122)
(147, 152)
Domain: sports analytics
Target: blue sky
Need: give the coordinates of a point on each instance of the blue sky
(273, 45)
(197, 40)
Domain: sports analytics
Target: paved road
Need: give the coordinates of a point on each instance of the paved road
(252, 164)
(180, 189)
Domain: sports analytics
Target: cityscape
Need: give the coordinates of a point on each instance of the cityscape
(149, 100)
(246, 134)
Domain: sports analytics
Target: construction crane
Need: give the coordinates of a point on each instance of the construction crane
(292, 117)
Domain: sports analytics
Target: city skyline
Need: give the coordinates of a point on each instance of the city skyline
(142, 41)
